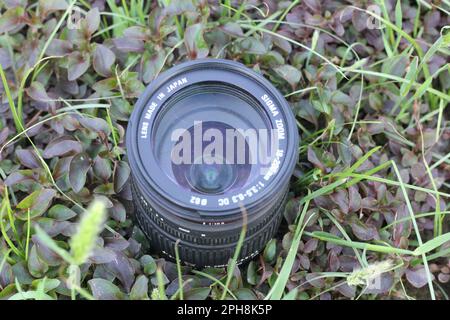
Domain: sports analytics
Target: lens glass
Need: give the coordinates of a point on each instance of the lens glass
(212, 138)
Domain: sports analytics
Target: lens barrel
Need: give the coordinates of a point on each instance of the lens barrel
(211, 145)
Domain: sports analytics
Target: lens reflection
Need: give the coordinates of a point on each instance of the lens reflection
(211, 178)
(207, 139)
(210, 173)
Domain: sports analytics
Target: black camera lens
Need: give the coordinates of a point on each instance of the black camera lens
(207, 141)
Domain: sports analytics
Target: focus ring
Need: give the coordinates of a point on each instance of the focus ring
(172, 228)
(202, 250)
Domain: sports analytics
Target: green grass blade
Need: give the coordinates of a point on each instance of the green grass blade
(278, 288)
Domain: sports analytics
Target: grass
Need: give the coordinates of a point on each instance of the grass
(279, 286)
(233, 261)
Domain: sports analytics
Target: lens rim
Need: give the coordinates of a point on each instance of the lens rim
(142, 160)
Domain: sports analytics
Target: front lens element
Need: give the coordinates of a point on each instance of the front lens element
(212, 138)
(212, 178)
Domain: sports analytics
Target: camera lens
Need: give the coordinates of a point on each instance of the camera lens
(208, 141)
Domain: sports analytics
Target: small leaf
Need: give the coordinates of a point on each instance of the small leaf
(45, 239)
(118, 212)
(62, 146)
(47, 6)
(194, 42)
(102, 255)
(135, 32)
(60, 212)
(92, 20)
(37, 202)
(362, 231)
(103, 60)
(417, 276)
(197, 294)
(28, 158)
(245, 294)
(104, 290)
(149, 264)
(253, 46)
(78, 64)
(78, 169)
(233, 29)
(395, 65)
(139, 291)
(37, 92)
(45, 252)
(153, 65)
(59, 47)
(121, 175)
(289, 73)
(270, 250)
(102, 168)
(310, 245)
(46, 284)
(11, 19)
(122, 268)
(5, 59)
(36, 266)
(251, 273)
(96, 125)
(125, 44)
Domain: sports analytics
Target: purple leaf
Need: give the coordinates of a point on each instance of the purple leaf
(289, 73)
(62, 146)
(52, 5)
(135, 33)
(103, 60)
(28, 158)
(78, 64)
(95, 124)
(129, 44)
(92, 20)
(362, 231)
(121, 175)
(233, 29)
(5, 59)
(312, 157)
(11, 20)
(310, 245)
(59, 48)
(102, 255)
(78, 169)
(121, 267)
(354, 199)
(153, 65)
(194, 42)
(37, 92)
(102, 168)
(417, 276)
(341, 199)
